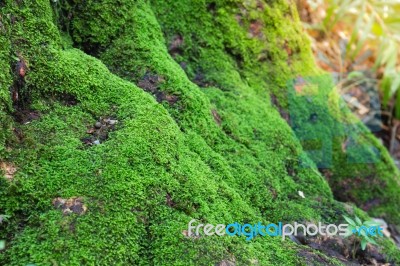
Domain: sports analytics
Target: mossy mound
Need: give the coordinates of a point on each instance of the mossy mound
(190, 84)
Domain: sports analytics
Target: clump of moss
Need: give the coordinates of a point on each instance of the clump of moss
(5, 80)
(247, 49)
(220, 153)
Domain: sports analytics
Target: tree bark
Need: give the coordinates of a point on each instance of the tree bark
(125, 120)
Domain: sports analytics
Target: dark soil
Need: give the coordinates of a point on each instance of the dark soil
(98, 133)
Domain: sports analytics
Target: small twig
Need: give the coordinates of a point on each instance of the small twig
(393, 136)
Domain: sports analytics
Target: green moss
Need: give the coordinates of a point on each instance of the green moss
(221, 153)
(5, 80)
(226, 55)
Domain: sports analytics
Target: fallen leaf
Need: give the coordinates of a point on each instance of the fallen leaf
(71, 205)
(9, 170)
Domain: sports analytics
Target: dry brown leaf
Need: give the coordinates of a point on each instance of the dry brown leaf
(9, 170)
(71, 205)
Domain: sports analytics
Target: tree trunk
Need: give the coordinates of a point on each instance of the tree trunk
(125, 120)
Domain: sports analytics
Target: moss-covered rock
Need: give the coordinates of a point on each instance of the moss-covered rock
(198, 136)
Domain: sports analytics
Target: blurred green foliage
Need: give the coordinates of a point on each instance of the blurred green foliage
(372, 24)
